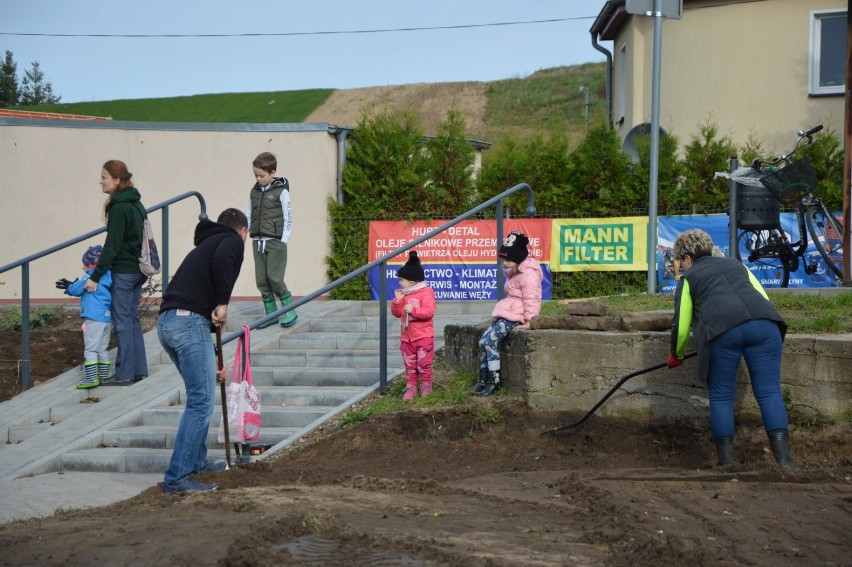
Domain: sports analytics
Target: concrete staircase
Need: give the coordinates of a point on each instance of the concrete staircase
(306, 375)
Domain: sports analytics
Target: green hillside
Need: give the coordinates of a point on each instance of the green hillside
(546, 101)
(264, 107)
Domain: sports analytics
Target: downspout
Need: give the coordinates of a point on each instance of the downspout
(340, 133)
(608, 56)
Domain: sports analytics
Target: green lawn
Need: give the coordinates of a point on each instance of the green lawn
(804, 313)
(265, 107)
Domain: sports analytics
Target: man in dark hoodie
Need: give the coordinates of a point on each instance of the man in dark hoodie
(195, 302)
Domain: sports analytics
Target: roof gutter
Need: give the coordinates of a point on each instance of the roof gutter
(340, 133)
(605, 26)
(608, 56)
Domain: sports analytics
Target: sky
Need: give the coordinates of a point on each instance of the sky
(302, 44)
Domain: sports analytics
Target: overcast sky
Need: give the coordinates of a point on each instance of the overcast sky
(313, 55)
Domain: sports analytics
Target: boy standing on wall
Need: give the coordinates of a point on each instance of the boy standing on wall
(270, 222)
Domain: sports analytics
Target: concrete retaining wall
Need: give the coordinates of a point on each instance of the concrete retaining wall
(571, 370)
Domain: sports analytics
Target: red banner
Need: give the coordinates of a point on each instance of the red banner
(468, 242)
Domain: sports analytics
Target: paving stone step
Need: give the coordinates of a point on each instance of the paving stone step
(305, 376)
(317, 358)
(271, 415)
(163, 436)
(123, 459)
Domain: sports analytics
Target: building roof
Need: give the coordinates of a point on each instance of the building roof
(12, 113)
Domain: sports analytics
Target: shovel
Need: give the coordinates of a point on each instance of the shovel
(610, 393)
(221, 365)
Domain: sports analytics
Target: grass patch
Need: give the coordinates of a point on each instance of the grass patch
(543, 101)
(11, 319)
(449, 390)
(484, 415)
(804, 314)
(262, 107)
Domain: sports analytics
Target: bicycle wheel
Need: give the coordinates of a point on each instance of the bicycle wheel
(770, 249)
(827, 235)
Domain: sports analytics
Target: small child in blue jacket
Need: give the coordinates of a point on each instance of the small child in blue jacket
(95, 310)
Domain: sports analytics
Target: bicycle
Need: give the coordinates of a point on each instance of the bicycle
(762, 188)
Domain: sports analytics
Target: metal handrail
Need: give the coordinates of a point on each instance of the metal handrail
(383, 306)
(24, 264)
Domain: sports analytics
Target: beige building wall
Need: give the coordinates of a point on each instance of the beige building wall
(742, 66)
(49, 173)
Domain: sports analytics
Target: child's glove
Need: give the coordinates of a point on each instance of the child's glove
(63, 283)
(673, 362)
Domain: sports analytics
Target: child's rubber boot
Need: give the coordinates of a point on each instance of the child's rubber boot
(493, 383)
(425, 387)
(289, 318)
(480, 384)
(410, 388)
(91, 380)
(270, 307)
(103, 370)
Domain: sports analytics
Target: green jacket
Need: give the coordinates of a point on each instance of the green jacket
(269, 213)
(124, 235)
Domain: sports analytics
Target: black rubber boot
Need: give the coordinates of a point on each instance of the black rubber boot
(724, 450)
(480, 384)
(779, 442)
(492, 383)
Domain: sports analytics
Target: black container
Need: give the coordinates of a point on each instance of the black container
(757, 208)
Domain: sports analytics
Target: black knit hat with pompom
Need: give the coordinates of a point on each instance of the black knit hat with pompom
(412, 270)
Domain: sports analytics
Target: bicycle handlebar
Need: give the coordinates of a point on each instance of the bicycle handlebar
(810, 132)
(786, 157)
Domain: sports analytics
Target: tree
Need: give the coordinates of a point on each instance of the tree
(8, 82)
(34, 89)
(450, 160)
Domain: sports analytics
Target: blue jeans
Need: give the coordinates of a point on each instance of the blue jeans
(130, 360)
(186, 339)
(759, 342)
(489, 343)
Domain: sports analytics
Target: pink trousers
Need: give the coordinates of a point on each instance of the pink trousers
(418, 357)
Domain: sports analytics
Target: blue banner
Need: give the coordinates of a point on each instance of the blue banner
(716, 226)
(455, 281)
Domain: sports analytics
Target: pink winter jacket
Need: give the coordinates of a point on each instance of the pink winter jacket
(420, 320)
(523, 293)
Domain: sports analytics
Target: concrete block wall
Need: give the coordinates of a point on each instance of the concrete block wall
(568, 370)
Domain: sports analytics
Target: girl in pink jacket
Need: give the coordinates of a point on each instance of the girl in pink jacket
(522, 303)
(414, 304)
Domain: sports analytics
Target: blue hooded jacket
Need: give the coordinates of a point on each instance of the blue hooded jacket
(96, 305)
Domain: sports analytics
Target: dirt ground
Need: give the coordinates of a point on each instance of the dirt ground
(53, 349)
(477, 484)
(431, 101)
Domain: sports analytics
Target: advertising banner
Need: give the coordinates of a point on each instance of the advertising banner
(598, 245)
(717, 227)
(461, 262)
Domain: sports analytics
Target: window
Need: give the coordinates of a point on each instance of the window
(827, 72)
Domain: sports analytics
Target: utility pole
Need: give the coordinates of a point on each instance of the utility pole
(847, 163)
(658, 9)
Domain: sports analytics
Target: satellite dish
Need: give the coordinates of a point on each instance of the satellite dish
(629, 145)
